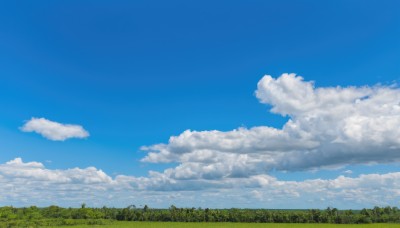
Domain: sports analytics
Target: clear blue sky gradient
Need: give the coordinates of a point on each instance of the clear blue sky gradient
(134, 73)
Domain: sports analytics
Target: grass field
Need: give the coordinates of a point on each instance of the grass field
(233, 225)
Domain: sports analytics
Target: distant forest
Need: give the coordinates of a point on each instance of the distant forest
(55, 215)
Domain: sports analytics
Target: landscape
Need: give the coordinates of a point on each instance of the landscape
(200, 113)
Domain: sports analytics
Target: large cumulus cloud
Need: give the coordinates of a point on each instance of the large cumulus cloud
(327, 127)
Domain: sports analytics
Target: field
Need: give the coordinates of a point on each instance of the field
(233, 225)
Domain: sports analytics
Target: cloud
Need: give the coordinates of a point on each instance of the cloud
(348, 172)
(31, 183)
(53, 130)
(327, 127)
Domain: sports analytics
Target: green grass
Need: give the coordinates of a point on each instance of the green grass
(231, 225)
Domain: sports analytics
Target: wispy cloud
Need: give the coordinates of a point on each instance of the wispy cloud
(348, 172)
(53, 130)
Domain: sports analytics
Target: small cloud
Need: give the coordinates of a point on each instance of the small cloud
(54, 131)
(348, 172)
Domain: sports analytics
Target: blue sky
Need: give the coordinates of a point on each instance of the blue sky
(135, 74)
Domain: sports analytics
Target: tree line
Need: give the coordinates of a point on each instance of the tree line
(54, 215)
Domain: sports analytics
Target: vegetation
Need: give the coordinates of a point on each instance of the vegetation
(58, 216)
(123, 224)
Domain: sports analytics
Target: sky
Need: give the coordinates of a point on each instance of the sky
(250, 104)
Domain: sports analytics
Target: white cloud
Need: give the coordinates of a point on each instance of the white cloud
(327, 127)
(31, 183)
(348, 172)
(53, 130)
